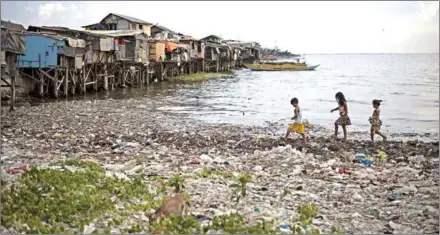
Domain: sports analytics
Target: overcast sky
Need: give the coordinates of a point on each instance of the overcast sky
(301, 27)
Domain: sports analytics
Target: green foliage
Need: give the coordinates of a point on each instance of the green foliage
(286, 191)
(207, 173)
(177, 182)
(239, 188)
(230, 224)
(236, 224)
(203, 76)
(304, 224)
(334, 230)
(55, 201)
(308, 211)
(175, 225)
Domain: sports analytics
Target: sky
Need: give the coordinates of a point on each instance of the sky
(300, 27)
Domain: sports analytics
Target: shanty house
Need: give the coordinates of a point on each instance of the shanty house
(216, 48)
(12, 27)
(129, 45)
(115, 21)
(12, 46)
(251, 52)
(42, 51)
(159, 32)
(196, 48)
(213, 39)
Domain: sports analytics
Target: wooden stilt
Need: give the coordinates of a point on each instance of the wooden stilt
(12, 104)
(55, 84)
(66, 83)
(148, 75)
(41, 85)
(84, 90)
(96, 78)
(73, 86)
(105, 78)
(161, 71)
(124, 75)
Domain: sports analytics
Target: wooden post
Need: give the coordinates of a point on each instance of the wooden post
(55, 84)
(12, 108)
(84, 80)
(41, 84)
(66, 82)
(96, 77)
(148, 75)
(161, 70)
(123, 75)
(105, 78)
(73, 87)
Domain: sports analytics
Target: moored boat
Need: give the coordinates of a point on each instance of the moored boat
(282, 66)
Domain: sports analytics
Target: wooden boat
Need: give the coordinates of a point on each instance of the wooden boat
(282, 66)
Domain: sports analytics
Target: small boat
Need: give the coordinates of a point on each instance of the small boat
(282, 66)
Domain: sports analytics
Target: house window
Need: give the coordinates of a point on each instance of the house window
(192, 46)
(112, 26)
(141, 27)
(170, 35)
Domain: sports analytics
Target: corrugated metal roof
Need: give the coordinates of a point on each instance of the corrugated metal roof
(56, 37)
(12, 26)
(116, 33)
(163, 28)
(187, 38)
(130, 18)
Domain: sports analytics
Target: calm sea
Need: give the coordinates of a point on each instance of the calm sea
(408, 84)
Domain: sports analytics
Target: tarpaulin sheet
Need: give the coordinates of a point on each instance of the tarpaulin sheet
(170, 46)
(13, 42)
(105, 44)
(76, 43)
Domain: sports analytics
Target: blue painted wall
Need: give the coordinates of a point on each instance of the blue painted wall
(41, 52)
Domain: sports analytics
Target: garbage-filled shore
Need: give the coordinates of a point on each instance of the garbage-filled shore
(357, 186)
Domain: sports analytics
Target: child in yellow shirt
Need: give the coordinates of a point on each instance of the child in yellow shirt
(298, 125)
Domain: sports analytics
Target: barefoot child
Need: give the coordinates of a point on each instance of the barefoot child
(298, 125)
(343, 120)
(375, 121)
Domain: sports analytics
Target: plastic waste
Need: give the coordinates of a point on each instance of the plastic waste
(366, 162)
(360, 155)
(394, 196)
(383, 156)
(256, 209)
(343, 171)
(18, 169)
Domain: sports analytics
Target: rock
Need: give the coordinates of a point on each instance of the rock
(206, 159)
(357, 197)
(88, 229)
(257, 168)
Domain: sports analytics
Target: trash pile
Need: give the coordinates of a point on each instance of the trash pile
(358, 187)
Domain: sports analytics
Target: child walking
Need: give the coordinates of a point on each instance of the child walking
(344, 119)
(298, 125)
(375, 121)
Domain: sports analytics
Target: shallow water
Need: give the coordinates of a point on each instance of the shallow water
(408, 84)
